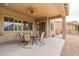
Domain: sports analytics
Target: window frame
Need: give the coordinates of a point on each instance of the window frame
(8, 21)
(17, 26)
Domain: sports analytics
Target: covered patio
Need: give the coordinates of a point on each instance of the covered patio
(31, 18)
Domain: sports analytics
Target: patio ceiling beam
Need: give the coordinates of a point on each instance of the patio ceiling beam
(66, 8)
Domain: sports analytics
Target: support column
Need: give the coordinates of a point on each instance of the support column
(48, 28)
(34, 27)
(63, 27)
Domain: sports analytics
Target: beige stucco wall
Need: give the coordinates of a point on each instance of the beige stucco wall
(69, 28)
(58, 27)
(11, 35)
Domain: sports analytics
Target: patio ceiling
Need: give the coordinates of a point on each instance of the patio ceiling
(39, 9)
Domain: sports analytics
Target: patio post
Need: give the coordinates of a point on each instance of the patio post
(34, 27)
(64, 27)
(48, 27)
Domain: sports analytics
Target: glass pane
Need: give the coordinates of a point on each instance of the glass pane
(5, 24)
(15, 24)
(10, 23)
(30, 26)
(25, 25)
(52, 26)
(18, 25)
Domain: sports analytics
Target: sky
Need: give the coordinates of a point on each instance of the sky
(73, 11)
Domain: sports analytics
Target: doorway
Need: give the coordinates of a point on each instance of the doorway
(42, 28)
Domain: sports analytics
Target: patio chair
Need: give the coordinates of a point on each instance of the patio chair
(34, 36)
(40, 40)
(25, 40)
(42, 37)
(28, 41)
(27, 37)
(20, 34)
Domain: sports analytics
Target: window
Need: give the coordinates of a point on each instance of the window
(15, 24)
(30, 26)
(25, 25)
(18, 25)
(76, 28)
(8, 24)
(52, 26)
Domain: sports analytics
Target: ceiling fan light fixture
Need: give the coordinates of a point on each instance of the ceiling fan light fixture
(32, 11)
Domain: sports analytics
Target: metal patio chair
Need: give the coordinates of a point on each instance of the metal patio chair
(40, 40)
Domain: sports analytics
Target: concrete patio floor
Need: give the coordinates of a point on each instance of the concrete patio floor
(53, 47)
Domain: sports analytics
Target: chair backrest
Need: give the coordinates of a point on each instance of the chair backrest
(42, 35)
(19, 35)
(27, 36)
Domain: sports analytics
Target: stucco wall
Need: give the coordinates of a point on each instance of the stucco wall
(58, 27)
(8, 37)
(68, 28)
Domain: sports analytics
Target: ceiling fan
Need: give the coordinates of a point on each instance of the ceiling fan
(31, 10)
